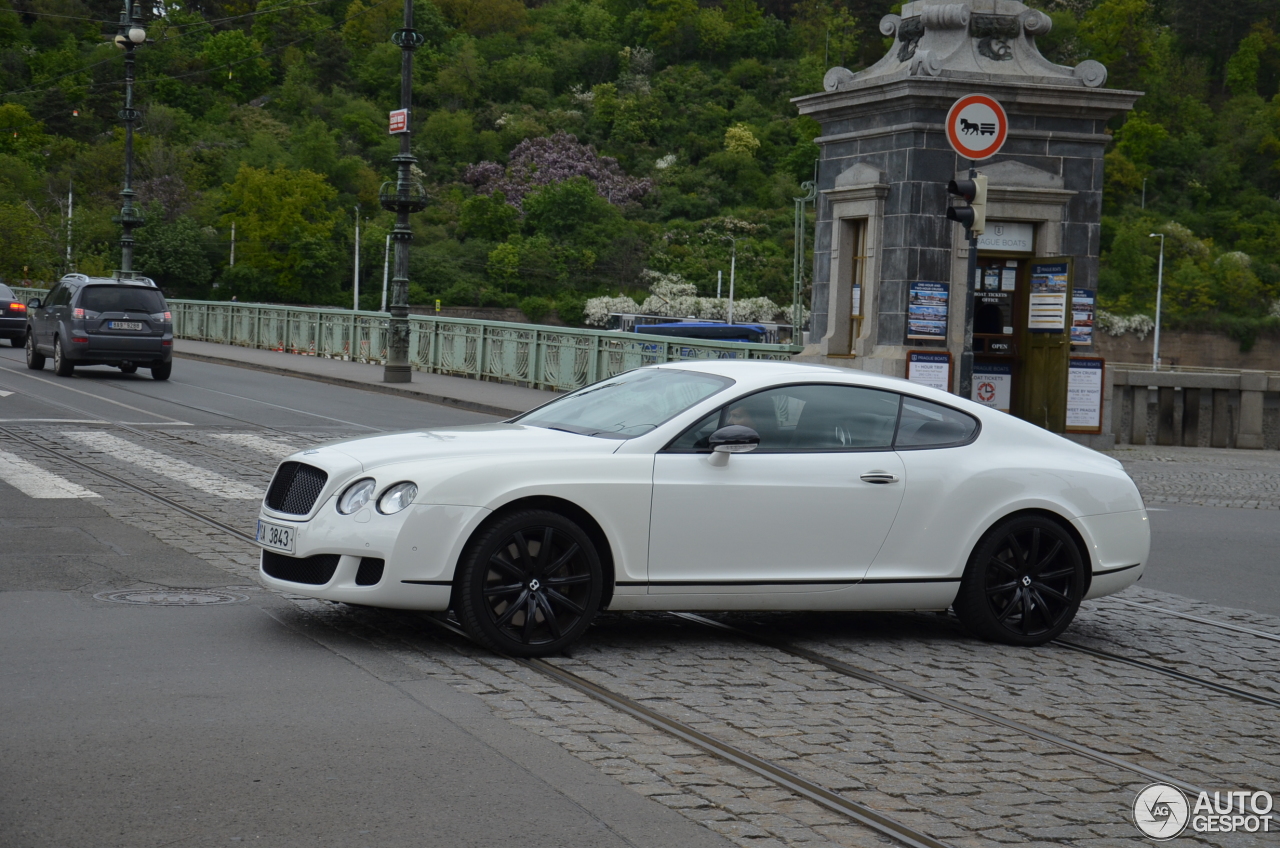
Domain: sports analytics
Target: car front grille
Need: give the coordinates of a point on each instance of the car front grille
(314, 570)
(295, 488)
(370, 571)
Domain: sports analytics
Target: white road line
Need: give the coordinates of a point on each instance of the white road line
(5, 394)
(35, 482)
(58, 383)
(167, 466)
(274, 447)
(52, 421)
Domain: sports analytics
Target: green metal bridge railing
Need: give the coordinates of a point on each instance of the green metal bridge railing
(557, 358)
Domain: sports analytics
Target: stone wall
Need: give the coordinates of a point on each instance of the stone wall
(1202, 350)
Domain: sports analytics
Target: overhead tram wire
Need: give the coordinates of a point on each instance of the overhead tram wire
(47, 84)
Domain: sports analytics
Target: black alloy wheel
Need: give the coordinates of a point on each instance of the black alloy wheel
(35, 359)
(1023, 583)
(62, 366)
(530, 584)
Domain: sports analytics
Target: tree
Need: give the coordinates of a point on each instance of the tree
(285, 228)
(27, 250)
(174, 255)
(235, 64)
(553, 159)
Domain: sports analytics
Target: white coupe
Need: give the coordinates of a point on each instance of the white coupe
(727, 485)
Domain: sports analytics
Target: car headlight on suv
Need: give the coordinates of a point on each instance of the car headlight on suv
(397, 498)
(357, 496)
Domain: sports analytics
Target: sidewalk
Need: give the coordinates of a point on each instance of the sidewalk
(461, 392)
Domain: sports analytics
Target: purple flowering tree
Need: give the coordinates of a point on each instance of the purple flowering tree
(551, 159)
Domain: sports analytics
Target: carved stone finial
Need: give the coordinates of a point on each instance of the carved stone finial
(889, 26)
(1092, 73)
(1036, 22)
(836, 77)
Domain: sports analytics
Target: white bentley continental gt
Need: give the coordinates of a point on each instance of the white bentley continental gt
(727, 485)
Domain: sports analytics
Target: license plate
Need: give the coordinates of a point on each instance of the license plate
(125, 325)
(275, 536)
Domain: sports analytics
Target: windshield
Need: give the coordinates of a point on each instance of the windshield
(628, 405)
(121, 299)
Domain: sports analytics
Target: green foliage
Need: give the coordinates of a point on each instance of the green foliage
(27, 248)
(285, 228)
(234, 65)
(175, 256)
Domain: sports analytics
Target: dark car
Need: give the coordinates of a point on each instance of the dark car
(124, 323)
(13, 317)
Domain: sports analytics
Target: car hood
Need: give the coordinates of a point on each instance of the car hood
(465, 441)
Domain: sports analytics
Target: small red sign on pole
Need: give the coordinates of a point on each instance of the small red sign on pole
(977, 126)
(399, 121)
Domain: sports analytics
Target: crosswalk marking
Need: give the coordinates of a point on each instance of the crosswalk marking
(35, 482)
(167, 466)
(271, 446)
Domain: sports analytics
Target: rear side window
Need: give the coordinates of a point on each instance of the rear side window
(121, 299)
(931, 425)
(6, 293)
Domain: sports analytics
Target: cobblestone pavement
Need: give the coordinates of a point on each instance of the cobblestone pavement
(1246, 479)
(957, 777)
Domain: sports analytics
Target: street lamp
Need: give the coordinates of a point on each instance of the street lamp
(733, 264)
(403, 196)
(131, 34)
(1155, 353)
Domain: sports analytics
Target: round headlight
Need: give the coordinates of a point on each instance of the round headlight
(357, 495)
(397, 498)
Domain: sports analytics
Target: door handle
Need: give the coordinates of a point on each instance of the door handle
(879, 477)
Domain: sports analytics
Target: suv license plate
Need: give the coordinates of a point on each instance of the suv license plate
(275, 536)
(125, 325)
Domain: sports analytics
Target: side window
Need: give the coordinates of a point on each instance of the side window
(932, 425)
(805, 419)
(57, 297)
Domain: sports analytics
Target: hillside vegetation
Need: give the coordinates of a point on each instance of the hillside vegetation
(570, 146)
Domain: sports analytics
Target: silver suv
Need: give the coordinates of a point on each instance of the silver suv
(124, 323)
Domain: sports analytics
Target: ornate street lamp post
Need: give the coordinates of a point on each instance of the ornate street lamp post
(403, 196)
(131, 34)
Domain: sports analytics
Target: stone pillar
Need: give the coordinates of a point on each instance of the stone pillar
(883, 140)
(1252, 386)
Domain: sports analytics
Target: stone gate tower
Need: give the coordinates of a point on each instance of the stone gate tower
(883, 172)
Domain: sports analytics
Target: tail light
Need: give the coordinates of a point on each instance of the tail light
(168, 317)
(77, 313)
(167, 343)
(17, 307)
(80, 339)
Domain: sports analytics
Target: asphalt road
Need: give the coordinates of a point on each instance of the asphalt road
(1224, 556)
(131, 725)
(139, 725)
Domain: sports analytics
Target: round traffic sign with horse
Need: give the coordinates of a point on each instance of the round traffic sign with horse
(977, 126)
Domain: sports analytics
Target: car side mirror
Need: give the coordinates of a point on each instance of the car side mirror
(734, 439)
(33, 303)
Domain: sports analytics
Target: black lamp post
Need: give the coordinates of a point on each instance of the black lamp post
(403, 196)
(131, 34)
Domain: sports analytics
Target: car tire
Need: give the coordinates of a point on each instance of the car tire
(62, 366)
(128, 368)
(161, 370)
(529, 584)
(35, 359)
(1024, 582)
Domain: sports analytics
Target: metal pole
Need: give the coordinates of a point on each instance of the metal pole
(719, 278)
(386, 260)
(233, 244)
(733, 264)
(797, 263)
(408, 197)
(130, 36)
(966, 352)
(355, 280)
(70, 205)
(1155, 351)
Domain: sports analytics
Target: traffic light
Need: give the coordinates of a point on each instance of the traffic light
(973, 216)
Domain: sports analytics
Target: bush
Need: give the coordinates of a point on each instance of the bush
(536, 308)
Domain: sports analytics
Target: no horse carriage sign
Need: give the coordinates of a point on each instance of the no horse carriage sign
(977, 126)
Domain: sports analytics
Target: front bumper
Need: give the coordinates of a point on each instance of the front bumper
(420, 547)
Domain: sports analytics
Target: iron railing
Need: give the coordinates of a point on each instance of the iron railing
(557, 358)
